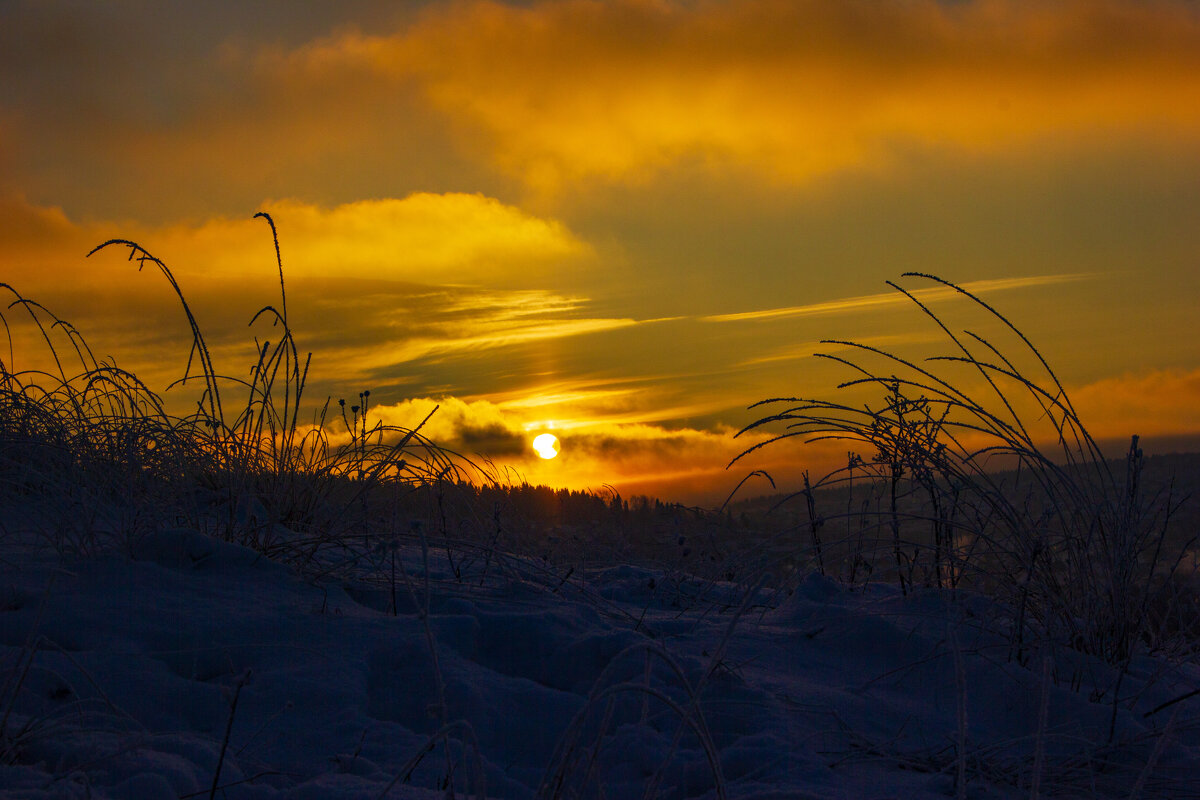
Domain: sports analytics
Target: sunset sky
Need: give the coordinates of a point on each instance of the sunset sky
(622, 222)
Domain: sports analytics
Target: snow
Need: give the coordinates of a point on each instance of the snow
(518, 672)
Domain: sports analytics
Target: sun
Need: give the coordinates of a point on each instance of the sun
(546, 445)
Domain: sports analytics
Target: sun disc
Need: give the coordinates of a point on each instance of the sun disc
(546, 445)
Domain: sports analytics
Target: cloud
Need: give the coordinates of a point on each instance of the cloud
(372, 285)
(427, 238)
(1151, 403)
(559, 91)
(873, 302)
(556, 97)
(451, 238)
(25, 226)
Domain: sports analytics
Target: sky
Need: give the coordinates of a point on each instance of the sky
(621, 222)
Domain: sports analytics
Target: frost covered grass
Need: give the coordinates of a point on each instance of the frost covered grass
(242, 602)
(974, 469)
(89, 432)
(973, 472)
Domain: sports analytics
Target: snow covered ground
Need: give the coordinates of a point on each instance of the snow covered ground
(145, 674)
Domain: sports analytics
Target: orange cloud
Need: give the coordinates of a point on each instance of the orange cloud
(427, 238)
(1155, 403)
(558, 95)
(566, 90)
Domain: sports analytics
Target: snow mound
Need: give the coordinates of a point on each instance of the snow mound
(199, 661)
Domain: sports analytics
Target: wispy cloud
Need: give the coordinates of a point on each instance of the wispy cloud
(871, 302)
(492, 334)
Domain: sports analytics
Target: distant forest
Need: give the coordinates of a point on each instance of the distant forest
(784, 530)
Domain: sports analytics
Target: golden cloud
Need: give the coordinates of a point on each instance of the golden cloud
(427, 238)
(371, 284)
(565, 90)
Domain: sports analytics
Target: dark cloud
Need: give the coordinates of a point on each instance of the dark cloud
(608, 446)
(490, 441)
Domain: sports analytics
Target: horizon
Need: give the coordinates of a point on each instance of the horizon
(620, 223)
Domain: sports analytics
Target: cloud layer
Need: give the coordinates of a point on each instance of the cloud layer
(564, 91)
